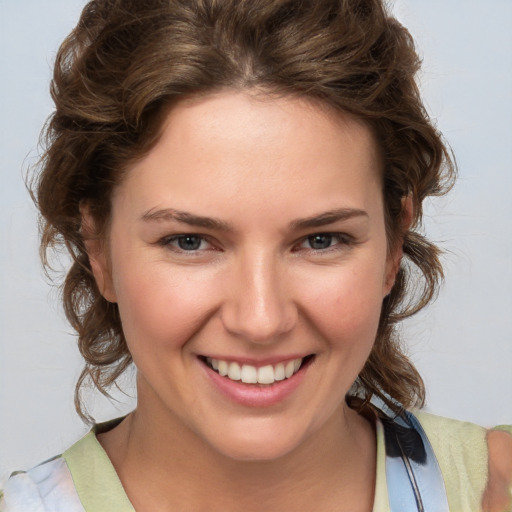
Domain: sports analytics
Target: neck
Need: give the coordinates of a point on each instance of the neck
(163, 465)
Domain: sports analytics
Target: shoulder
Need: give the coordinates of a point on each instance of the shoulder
(82, 478)
(476, 462)
(94, 477)
(461, 451)
(47, 487)
(459, 446)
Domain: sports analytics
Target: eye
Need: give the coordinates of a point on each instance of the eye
(320, 241)
(324, 241)
(187, 243)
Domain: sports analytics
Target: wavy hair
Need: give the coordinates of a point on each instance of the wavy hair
(126, 62)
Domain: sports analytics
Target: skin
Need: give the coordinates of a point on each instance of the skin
(498, 495)
(254, 288)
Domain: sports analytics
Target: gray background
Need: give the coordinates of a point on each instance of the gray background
(462, 345)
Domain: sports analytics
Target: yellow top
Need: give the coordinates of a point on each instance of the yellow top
(460, 448)
(84, 479)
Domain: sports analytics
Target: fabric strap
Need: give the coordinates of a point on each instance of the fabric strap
(413, 475)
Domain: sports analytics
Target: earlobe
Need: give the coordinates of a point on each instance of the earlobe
(395, 256)
(407, 213)
(97, 253)
(393, 267)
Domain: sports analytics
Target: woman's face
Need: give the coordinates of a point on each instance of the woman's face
(250, 240)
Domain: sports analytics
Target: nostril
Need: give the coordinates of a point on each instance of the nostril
(258, 326)
(258, 307)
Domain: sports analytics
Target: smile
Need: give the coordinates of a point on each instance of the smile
(249, 374)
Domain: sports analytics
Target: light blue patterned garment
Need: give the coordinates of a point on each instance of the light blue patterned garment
(48, 487)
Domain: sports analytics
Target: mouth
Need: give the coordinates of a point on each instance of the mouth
(266, 375)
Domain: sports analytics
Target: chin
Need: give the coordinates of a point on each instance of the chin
(256, 452)
(261, 444)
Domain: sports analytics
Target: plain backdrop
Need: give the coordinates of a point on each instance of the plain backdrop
(462, 345)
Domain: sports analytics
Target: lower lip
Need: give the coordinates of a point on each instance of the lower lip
(254, 395)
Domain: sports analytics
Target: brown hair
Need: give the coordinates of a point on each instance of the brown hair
(126, 61)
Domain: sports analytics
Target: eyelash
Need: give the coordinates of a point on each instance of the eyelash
(340, 239)
(168, 241)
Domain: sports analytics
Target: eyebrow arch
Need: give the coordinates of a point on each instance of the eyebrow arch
(328, 217)
(170, 214)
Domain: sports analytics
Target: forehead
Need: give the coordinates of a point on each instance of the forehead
(256, 116)
(257, 149)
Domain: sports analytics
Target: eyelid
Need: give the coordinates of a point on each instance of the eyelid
(343, 240)
(166, 241)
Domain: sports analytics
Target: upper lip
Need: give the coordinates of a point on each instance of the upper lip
(271, 360)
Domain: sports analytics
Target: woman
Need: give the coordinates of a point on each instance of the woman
(239, 185)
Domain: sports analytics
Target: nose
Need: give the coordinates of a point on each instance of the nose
(259, 305)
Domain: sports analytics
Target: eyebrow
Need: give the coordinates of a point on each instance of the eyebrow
(169, 214)
(323, 219)
(328, 217)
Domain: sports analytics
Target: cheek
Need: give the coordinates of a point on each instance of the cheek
(162, 306)
(346, 307)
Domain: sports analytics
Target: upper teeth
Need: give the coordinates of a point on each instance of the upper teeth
(251, 374)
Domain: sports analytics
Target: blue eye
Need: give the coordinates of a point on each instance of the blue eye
(320, 241)
(325, 241)
(189, 242)
(186, 243)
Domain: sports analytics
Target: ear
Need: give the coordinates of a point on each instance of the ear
(396, 252)
(98, 254)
